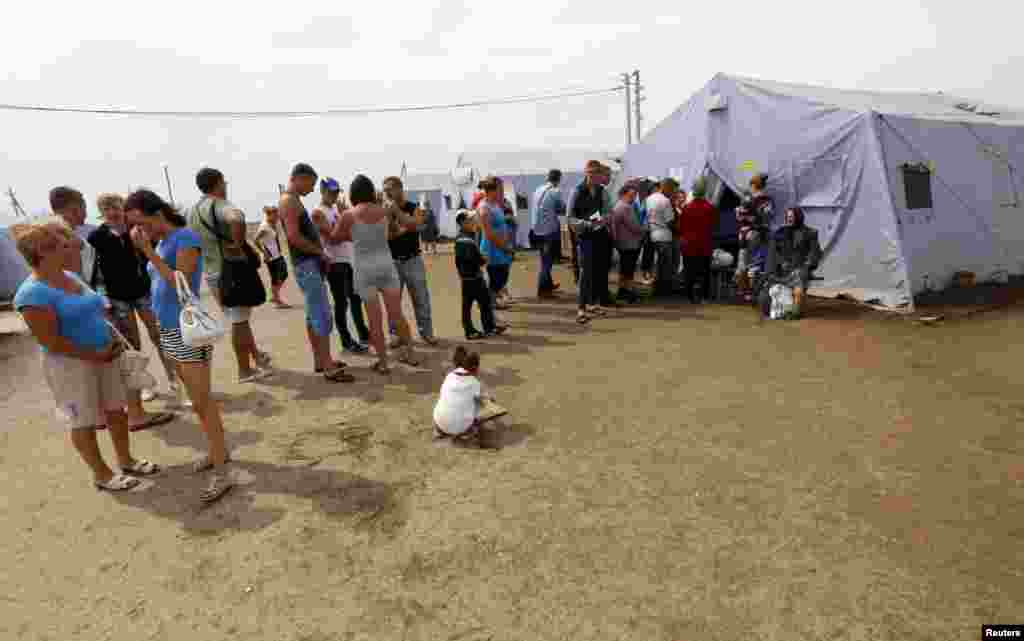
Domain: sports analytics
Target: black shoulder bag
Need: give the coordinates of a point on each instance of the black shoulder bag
(240, 282)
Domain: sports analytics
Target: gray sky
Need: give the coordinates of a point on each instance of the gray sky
(240, 56)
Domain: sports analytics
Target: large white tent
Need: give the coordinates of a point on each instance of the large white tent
(905, 189)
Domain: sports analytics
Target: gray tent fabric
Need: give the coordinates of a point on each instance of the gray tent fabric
(13, 268)
(841, 156)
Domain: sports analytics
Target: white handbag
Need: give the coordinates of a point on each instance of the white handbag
(133, 364)
(198, 327)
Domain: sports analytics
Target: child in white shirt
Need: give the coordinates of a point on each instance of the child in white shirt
(458, 408)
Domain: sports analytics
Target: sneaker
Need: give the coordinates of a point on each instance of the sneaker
(263, 360)
(220, 483)
(497, 331)
(255, 375)
(475, 336)
(431, 340)
(356, 348)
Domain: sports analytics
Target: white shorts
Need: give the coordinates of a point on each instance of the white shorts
(83, 390)
(233, 315)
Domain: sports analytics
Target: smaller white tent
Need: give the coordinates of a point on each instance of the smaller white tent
(523, 172)
(435, 189)
(13, 268)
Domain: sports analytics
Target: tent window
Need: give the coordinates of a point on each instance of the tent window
(917, 183)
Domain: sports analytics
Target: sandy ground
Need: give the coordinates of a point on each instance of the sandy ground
(667, 474)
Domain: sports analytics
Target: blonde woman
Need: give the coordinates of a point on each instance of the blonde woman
(68, 320)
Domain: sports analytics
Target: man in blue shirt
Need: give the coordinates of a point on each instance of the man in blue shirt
(547, 227)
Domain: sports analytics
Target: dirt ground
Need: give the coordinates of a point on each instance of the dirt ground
(668, 474)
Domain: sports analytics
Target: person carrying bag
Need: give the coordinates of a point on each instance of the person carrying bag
(240, 282)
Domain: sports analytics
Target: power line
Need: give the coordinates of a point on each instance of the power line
(118, 111)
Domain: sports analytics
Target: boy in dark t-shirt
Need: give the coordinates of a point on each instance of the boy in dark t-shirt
(469, 263)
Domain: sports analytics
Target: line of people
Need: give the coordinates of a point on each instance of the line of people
(91, 285)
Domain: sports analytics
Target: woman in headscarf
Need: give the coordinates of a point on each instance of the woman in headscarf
(793, 253)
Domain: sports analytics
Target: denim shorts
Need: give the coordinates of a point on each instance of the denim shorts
(122, 309)
(314, 293)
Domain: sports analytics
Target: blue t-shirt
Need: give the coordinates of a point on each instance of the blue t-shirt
(165, 295)
(496, 255)
(81, 318)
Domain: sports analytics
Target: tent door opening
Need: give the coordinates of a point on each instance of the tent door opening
(726, 200)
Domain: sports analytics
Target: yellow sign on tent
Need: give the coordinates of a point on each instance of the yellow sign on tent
(748, 166)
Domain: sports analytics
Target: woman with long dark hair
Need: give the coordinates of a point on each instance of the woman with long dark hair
(180, 250)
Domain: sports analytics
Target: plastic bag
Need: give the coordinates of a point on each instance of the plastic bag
(721, 259)
(782, 301)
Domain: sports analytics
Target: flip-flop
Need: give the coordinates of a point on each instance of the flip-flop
(118, 483)
(141, 467)
(154, 420)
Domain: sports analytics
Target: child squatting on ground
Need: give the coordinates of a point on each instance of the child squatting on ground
(457, 414)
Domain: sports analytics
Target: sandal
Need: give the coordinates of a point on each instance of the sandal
(118, 483)
(204, 464)
(336, 365)
(339, 376)
(409, 359)
(153, 420)
(381, 367)
(219, 485)
(141, 467)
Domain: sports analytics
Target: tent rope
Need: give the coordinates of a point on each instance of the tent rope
(994, 151)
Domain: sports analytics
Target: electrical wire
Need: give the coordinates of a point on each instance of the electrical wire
(118, 111)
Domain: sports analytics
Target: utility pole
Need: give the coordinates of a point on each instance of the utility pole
(629, 110)
(637, 87)
(19, 211)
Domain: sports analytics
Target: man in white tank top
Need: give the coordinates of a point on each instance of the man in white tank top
(340, 270)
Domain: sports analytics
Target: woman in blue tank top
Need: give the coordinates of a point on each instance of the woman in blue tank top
(496, 242)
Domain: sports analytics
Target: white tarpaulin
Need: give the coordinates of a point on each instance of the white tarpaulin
(904, 189)
(13, 268)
